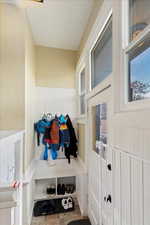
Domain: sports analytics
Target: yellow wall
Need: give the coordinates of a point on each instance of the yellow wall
(12, 68)
(17, 75)
(29, 96)
(55, 68)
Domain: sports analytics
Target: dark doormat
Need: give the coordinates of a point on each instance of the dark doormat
(52, 206)
(80, 222)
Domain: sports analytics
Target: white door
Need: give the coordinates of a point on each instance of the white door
(100, 159)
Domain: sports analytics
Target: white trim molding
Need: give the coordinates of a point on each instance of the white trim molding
(29, 173)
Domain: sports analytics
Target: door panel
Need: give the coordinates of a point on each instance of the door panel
(104, 191)
(94, 208)
(94, 188)
(117, 192)
(100, 159)
(109, 167)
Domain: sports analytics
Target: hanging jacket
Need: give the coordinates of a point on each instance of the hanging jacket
(64, 132)
(40, 128)
(54, 132)
(54, 138)
(46, 137)
(72, 148)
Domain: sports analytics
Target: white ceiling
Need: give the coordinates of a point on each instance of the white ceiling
(59, 23)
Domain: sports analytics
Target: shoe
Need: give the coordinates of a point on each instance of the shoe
(72, 188)
(65, 203)
(67, 190)
(63, 188)
(70, 203)
(51, 190)
(59, 187)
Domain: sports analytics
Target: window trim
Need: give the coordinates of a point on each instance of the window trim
(108, 20)
(128, 46)
(82, 68)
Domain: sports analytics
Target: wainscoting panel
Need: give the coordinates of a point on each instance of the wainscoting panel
(146, 182)
(125, 190)
(136, 192)
(131, 189)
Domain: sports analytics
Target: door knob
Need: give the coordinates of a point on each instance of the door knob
(109, 167)
(109, 199)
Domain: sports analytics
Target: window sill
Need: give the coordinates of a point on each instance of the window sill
(139, 39)
(100, 87)
(135, 105)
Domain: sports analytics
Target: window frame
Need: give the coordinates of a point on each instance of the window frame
(128, 46)
(106, 81)
(80, 93)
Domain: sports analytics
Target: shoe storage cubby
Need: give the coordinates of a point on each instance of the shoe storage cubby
(54, 187)
(66, 185)
(45, 188)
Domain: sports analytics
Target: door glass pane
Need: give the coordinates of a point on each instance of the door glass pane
(139, 72)
(99, 120)
(102, 57)
(139, 16)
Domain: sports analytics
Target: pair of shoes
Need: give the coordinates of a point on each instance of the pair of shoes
(70, 188)
(67, 203)
(51, 190)
(61, 189)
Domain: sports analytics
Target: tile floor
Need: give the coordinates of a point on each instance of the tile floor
(58, 219)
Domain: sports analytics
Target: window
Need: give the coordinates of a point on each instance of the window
(99, 114)
(137, 50)
(139, 17)
(82, 92)
(101, 57)
(139, 71)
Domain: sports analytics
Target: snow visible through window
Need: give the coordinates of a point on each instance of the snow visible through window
(139, 72)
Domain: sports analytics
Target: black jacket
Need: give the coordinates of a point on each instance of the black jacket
(72, 148)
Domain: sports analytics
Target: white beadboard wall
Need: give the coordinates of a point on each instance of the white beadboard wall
(131, 133)
(130, 190)
(131, 197)
(55, 100)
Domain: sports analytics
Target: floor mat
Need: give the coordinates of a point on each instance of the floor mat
(80, 222)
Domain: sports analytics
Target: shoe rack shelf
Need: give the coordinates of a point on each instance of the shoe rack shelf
(60, 186)
(45, 196)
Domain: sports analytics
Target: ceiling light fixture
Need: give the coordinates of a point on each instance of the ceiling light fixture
(39, 1)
